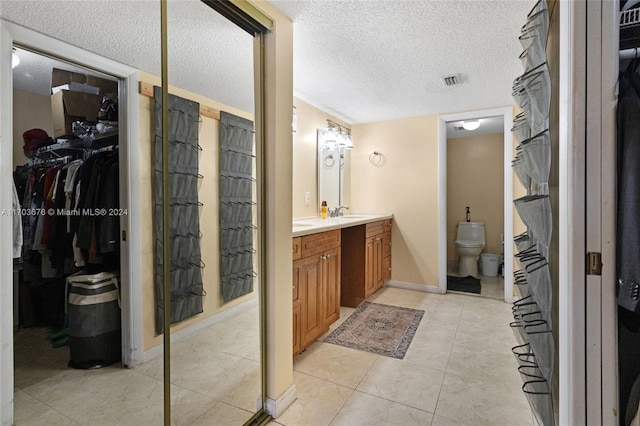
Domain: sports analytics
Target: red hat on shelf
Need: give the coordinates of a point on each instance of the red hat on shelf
(36, 138)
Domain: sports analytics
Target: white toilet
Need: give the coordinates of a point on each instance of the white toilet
(470, 241)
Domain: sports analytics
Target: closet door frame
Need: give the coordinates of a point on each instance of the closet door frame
(587, 308)
(602, 62)
(132, 343)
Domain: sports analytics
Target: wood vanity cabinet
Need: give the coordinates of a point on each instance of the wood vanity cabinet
(316, 287)
(366, 259)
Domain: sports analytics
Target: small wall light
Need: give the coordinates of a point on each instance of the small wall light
(471, 124)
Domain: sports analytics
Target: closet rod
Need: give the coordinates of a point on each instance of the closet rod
(631, 53)
(146, 89)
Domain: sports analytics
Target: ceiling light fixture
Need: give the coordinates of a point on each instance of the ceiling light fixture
(15, 59)
(471, 124)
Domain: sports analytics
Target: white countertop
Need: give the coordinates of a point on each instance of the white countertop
(314, 225)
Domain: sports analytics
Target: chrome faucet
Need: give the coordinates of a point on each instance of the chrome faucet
(337, 211)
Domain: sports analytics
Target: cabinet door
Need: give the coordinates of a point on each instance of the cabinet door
(297, 329)
(370, 259)
(311, 289)
(378, 264)
(386, 255)
(331, 281)
(386, 269)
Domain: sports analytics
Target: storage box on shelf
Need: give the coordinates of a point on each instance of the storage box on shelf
(72, 105)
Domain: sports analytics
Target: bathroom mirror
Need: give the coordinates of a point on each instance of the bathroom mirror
(333, 171)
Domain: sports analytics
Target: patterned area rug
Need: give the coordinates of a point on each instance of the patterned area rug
(380, 329)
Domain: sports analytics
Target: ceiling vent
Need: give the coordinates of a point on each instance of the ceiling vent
(451, 80)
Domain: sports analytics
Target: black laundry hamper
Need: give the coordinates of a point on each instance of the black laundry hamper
(94, 320)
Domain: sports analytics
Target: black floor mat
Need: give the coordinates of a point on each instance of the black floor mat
(467, 284)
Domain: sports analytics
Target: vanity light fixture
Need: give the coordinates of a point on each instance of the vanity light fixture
(471, 124)
(327, 140)
(342, 134)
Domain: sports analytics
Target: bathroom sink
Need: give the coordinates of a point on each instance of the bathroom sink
(353, 216)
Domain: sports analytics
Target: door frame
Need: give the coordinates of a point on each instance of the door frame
(132, 339)
(507, 113)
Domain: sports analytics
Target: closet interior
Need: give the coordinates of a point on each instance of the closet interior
(628, 211)
(66, 219)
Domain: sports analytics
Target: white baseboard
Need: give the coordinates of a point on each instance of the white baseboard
(417, 287)
(275, 407)
(192, 329)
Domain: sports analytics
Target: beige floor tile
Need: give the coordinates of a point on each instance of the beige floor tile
(28, 411)
(334, 363)
(482, 338)
(367, 410)
(444, 421)
(492, 287)
(493, 370)
(317, 403)
(224, 337)
(222, 376)
(431, 345)
(222, 414)
(111, 396)
(400, 381)
(483, 388)
(400, 297)
(29, 365)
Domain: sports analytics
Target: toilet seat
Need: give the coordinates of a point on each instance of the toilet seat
(469, 244)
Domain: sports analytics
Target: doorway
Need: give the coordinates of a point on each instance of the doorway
(507, 269)
(475, 181)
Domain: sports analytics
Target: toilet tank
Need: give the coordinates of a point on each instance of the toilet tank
(471, 231)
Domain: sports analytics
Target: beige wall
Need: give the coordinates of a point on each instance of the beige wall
(29, 111)
(475, 178)
(405, 185)
(310, 119)
(208, 195)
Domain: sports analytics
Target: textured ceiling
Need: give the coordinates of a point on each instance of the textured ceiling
(359, 60)
(207, 53)
(376, 60)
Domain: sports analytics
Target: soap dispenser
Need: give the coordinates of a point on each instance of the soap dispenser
(468, 214)
(323, 210)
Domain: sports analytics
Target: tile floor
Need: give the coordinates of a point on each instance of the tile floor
(215, 381)
(492, 287)
(459, 370)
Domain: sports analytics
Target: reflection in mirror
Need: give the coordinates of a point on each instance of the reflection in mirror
(218, 365)
(333, 166)
(216, 359)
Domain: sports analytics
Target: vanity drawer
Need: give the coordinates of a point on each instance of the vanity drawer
(318, 243)
(375, 228)
(297, 245)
